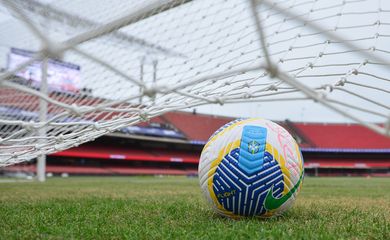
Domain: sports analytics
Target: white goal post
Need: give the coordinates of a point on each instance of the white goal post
(99, 63)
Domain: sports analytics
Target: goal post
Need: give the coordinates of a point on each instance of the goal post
(41, 159)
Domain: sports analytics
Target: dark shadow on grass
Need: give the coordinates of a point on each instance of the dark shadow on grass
(284, 217)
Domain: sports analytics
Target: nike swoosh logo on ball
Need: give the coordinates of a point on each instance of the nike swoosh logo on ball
(272, 203)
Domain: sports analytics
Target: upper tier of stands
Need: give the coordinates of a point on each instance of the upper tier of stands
(199, 127)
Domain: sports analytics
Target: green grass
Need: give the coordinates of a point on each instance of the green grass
(173, 208)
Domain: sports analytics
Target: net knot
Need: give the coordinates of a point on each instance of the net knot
(54, 50)
(74, 109)
(342, 82)
(96, 126)
(219, 100)
(150, 91)
(273, 88)
(59, 138)
(328, 87)
(273, 71)
(246, 85)
(29, 126)
(247, 95)
(143, 116)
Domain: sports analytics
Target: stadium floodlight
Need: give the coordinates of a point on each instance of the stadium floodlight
(332, 52)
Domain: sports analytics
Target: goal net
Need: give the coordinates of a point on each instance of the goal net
(75, 70)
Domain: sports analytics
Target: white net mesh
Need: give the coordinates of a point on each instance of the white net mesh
(334, 52)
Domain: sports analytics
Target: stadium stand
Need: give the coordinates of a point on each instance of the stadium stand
(201, 127)
(168, 144)
(350, 136)
(112, 152)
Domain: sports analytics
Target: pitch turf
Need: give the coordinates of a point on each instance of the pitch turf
(172, 207)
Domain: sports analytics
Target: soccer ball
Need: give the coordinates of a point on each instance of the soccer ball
(251, 167)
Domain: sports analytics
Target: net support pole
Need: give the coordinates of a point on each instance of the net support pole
(154, 76)
(155, 71)
(41, 161)
(141, 78)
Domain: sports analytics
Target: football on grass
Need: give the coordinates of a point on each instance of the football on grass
(251, 167)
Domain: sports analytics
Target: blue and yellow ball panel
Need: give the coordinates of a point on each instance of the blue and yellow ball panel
(246, 174)
(252, 146)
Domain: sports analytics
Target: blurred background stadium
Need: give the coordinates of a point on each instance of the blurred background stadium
(171, 144)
